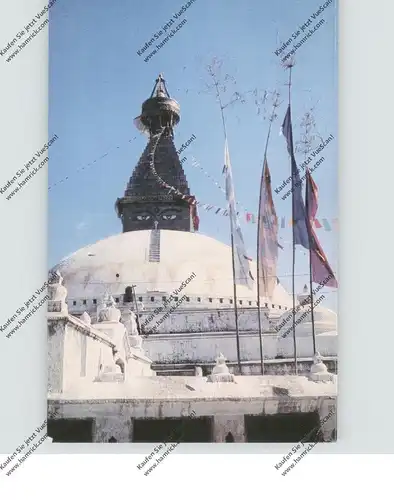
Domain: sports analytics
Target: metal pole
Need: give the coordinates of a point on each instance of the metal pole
(307, 185)
(235, 305)
(232, 241)
(136, 310)
(258, 277)
(258, 251)
(293, 234)
(272, 117)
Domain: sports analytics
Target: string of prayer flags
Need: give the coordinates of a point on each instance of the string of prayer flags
(171, 189)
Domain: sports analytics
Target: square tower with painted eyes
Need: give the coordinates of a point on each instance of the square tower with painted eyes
(157, 195)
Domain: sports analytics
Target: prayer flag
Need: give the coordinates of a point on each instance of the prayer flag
(242, 270)
(321, 269)
(299, 214)
(267, 236)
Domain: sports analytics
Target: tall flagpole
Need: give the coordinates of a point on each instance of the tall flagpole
(271, 119)
(310, 271)
(293, 234)
(308, 123)
(137, 315)
(232, 237)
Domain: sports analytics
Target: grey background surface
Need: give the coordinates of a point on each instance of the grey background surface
(366, 238)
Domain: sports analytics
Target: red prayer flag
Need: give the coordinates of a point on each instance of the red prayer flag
(321, 269)
(267, 236)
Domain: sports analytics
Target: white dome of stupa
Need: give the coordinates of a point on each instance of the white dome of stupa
(112, 264)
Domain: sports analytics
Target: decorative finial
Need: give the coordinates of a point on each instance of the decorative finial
(107, 300)
(220, 372)
(159, 111)
(220, 360)
(108, 310)
(57, 294)
(317, 358)
(156, 223)
(161, 89)
(319, 371)
(86, 318)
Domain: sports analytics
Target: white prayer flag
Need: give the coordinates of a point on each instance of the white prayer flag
(243, 275)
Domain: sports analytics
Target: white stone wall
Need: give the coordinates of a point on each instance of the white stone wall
(116, 426)
(115, 419)
(71, 356)
(204, 320)
(139, 366)
(190, 348)
(205, 347)
(115, 331)
(326, 345)
(55, 355)
(75, 361)
(223, 424)
(328, 419)
(76, 352)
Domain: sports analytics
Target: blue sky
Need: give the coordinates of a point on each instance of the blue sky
(98, 83)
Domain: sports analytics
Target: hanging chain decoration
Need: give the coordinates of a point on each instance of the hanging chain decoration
(171, 189)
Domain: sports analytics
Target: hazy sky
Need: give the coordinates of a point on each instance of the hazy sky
(98, 83)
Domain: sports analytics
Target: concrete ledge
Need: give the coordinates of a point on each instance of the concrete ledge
(80, 326)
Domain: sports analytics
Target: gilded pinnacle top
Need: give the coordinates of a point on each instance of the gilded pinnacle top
(160, 88)
(160, 110)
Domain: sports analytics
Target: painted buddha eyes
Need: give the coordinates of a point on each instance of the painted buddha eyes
(148, 217)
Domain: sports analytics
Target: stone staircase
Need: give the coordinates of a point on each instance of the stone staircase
(154, 246)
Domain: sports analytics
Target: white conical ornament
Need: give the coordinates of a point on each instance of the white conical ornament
(220, 372)
(108, 310)
(86, 318)
(57, 294)
(319, 371)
